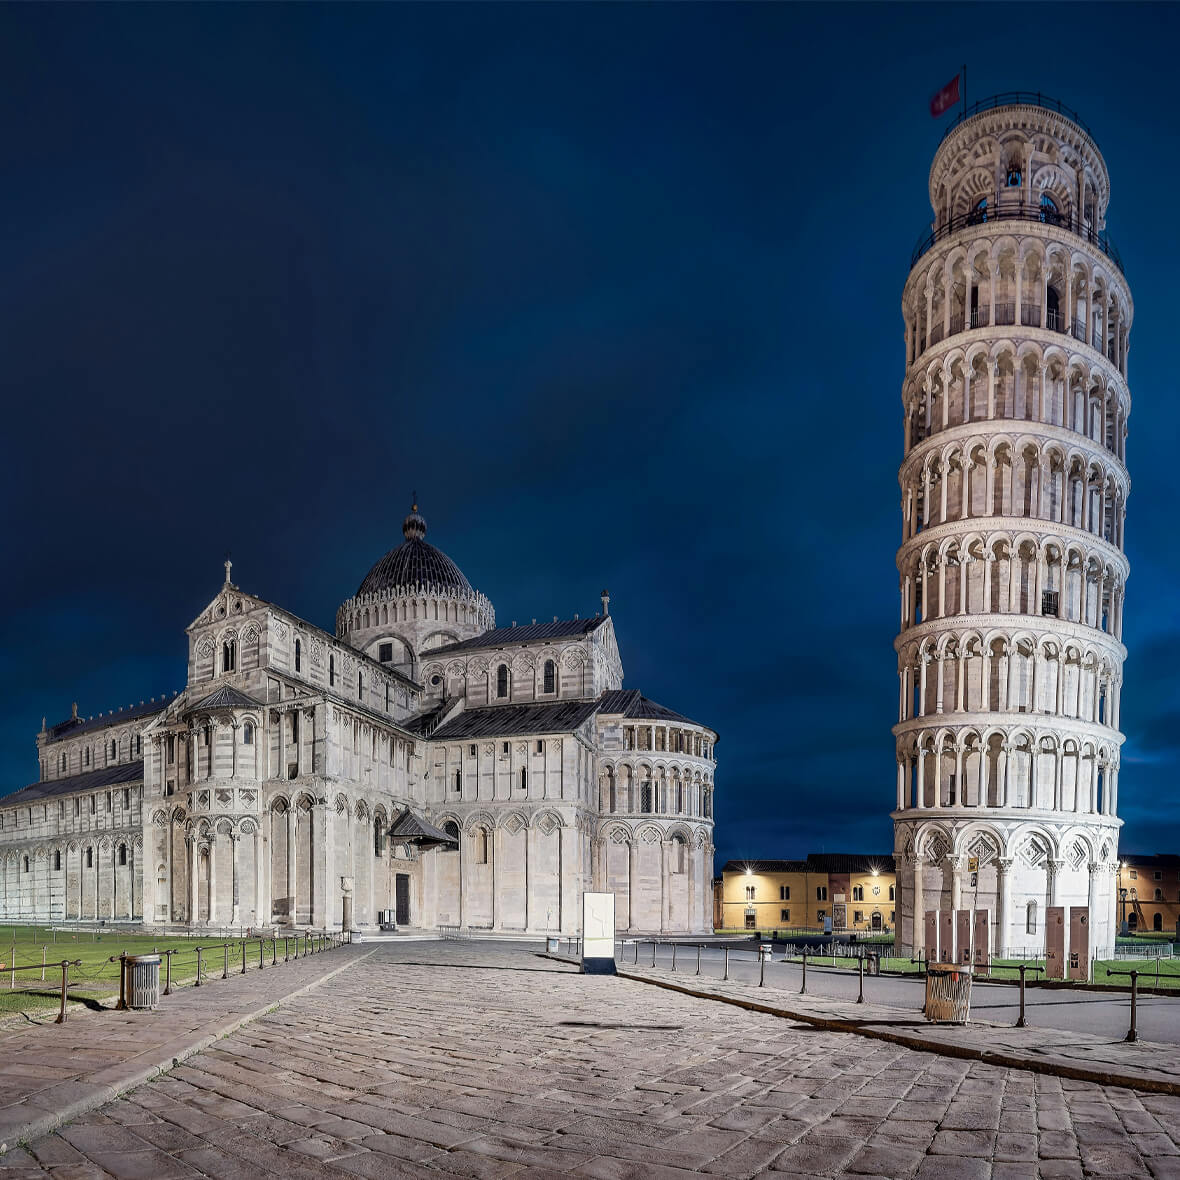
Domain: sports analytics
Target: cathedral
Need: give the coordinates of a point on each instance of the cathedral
(420, 767)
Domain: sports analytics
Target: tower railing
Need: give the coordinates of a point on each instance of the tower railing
(1019, 98)
(1019, 213)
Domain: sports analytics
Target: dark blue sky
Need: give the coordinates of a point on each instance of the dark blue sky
(615, 287)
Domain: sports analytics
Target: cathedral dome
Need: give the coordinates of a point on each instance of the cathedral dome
(414, 562)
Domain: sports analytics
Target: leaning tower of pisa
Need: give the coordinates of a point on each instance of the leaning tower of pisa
(1013, 491)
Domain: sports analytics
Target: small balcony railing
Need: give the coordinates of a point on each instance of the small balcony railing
(1014, 212)
(1019, 98)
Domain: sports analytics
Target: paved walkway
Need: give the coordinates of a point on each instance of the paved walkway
(477, 1060)
(1079, 1055)
(52, 1072)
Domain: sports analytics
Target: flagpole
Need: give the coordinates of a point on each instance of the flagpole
(964, 90)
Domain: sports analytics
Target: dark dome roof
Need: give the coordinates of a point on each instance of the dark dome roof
(414, 563)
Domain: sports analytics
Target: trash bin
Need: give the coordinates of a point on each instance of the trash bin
(948, 993)
(764, 950)
(872, 963)
(143, 982)
(551, 944)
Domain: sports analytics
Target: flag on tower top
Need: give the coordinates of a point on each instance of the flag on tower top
(945, 98)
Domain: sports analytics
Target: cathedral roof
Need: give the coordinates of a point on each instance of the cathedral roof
(73, 726)
(414, 562)
(531, 632)
(91, 780)
(632, 703)
(514, 720)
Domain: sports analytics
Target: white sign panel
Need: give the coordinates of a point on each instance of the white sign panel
(598, 926)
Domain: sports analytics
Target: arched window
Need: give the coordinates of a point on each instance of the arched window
(122, 854)
(524, 778)
(248, 734)
(56, 861)
(645, 799)
(481, 846)
(1030, 919)
(979, 213)
(1157, 921)
(298, 655)
(1159, 895)
(378, 837)
(502, 680)
(114, 748)
(459, 779)
(708, 804)
(1049, 210)
(90, 858)
(331, 671)
(229, 655)
(679, 854)
(452, 830)
(360, 685)
(86, 756)
(550, 676)
(1014, 176)
(138, 745)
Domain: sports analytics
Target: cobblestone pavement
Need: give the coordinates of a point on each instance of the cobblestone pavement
(480, 1060)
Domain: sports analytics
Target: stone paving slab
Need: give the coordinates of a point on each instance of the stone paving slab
(469, 1061)
(1142, 1065)
(50, 1073)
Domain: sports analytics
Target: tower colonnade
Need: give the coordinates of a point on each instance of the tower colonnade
(1011, 568)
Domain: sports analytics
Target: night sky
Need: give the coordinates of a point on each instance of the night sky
(616, 288)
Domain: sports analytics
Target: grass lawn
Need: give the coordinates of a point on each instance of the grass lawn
(97, 977)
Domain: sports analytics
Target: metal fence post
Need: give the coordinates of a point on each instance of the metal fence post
(725, 977)
(674, 957)
(198, 983)
(860, 999)
(761, 969)
(698, 958)
(653, 953)
(803, 989)
(225, 969)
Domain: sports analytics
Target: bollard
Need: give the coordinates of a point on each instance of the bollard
(121, 959)
(725, 976)
(168, 971)
(243, 956)
(65, 980)
(261, 951)
(761, 969)
(803, 989)
(1132, 1032)
(698, 958)
(860, 999)
(225, 969)
(1022, 968)
(43, 950)
(674, 957)
(198, 983)
(653, 954)
(286, 949)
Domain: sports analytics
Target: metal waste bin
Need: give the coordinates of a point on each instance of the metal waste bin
(872, 963)
(764, 950)
(948, 993)
(143, 982)
(552, 945)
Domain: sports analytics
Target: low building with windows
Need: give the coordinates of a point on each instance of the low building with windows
(852, 892)
(419, 761)
(1147, 894)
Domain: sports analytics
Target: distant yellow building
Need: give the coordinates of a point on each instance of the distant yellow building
(854, 892)
(1147, 893)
